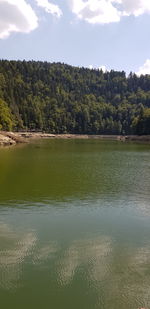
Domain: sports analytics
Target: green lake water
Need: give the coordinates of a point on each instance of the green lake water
(75, 225)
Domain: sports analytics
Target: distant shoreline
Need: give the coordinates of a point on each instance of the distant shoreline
(13, 138)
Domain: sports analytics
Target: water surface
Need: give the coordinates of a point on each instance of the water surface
(75, 225)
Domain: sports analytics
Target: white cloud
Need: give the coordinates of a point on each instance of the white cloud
(135, 7)
(16, 16)
(145, 69)
(49, 7)
(103, 68)
(107, 11)
(95, 11)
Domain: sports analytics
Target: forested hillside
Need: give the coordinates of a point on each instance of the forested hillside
(59, 98)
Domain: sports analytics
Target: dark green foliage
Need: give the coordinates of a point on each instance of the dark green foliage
(143, 122)
(59, 98)
(6, 122)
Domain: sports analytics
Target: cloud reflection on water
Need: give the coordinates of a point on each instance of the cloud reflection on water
(90, 253)
(13, 255)
(99, 260)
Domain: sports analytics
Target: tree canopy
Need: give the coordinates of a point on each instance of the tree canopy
(6, 122)
(59, 98)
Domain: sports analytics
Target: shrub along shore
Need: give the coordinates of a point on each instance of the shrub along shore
(13, 138)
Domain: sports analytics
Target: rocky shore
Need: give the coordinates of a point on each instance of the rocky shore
(12, 138)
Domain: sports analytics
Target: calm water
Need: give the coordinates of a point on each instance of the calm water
(75, 225)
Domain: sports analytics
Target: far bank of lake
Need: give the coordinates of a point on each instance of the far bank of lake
(12, 138)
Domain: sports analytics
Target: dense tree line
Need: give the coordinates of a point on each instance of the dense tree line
(59, 98)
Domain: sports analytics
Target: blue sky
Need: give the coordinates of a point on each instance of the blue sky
(91, 33)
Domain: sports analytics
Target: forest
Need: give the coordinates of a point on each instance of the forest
(59, 98)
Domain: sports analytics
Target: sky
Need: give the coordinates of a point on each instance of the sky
(107, 34)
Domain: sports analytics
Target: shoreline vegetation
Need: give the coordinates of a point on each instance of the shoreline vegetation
(13, 138)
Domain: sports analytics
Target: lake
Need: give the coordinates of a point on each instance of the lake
(75, 225)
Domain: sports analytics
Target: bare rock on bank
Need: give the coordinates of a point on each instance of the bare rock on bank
(6, 141)
(10, 138)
